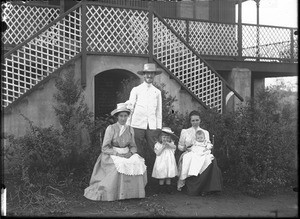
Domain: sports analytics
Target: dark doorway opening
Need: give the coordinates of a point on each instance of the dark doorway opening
(107, 84)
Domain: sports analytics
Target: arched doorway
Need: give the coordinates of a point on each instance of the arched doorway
(107, 84)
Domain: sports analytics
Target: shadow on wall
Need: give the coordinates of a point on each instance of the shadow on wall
(107, 86)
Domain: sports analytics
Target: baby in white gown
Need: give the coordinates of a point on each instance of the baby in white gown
(200, 145)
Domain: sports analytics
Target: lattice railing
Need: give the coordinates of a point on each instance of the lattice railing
(117, 30)
(269, 43)
(183, 63)
(213, 38)
(41, 55)
(25, 20)
(221, 39)
(295, 38)
(108, 30)
(180, 26)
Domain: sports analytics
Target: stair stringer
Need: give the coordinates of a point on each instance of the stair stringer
(191, 70)
(40, 55)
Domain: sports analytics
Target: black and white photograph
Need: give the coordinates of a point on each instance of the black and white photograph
(149, 108)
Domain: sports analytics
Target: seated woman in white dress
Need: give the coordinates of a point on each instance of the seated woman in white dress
(119, 172)
(198, 157)
(197, 172)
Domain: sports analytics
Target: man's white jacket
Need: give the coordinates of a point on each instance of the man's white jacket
(146, 107)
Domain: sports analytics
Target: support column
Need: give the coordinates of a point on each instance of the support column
(257, 85)
(240, 81)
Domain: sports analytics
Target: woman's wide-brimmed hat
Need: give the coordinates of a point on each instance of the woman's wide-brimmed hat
(121, 107)
(169, 131)
(150, 67)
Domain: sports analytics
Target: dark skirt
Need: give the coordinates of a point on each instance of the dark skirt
(208, 181)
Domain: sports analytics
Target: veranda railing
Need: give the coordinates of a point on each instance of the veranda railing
(242, 42)
(24, 20)
(105, 29)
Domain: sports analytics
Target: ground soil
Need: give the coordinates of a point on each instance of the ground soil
(229, 203)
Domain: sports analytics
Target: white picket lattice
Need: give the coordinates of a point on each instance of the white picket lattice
(117, 30)
(186, 66)
(41, 56)
(273, 43)
(179, 26)
(213, 38)
(295, 52)
(25, 20)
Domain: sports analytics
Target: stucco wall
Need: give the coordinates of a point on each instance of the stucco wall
(240, 81)
(97, 64)
(38, 106)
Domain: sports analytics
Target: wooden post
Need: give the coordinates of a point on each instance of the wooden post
(187, 30)
(257, 30)
(62, 7)
(240, 31)
(223, 97)
(150, 31)
(83, 43)
(292, 45)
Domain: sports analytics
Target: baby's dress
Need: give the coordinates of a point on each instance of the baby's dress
(200, 148)
(165, 163)
(195, 161)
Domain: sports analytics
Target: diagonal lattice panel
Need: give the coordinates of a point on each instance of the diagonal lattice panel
(179, 26)
(117, 30)
(268, 42)
(25, 20)
(40, 56)
(295, 52)
(186, 66)
(249, 40)
(213, 38)
(274, 42)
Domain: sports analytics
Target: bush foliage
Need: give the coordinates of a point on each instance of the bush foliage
(255, 146)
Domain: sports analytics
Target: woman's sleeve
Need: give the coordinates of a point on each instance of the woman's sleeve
(207, 136)
(131, 104)
(209, 145)
(106, 145)
(181, 142)
(132, 144)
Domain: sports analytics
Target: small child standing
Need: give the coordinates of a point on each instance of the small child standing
(165, 166)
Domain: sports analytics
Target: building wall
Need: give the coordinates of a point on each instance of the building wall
(38, 106)
(97, 64)
(212, 10)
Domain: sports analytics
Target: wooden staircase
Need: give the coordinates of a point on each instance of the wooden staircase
(89, 28)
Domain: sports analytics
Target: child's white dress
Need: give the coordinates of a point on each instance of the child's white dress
(165, 163)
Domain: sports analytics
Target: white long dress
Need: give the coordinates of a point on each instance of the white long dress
(113, 177)
(191, 163)
(165, 163)
(195, 161)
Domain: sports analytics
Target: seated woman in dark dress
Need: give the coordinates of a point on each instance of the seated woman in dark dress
(209, 179)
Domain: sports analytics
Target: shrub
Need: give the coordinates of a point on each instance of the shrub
(255, 146)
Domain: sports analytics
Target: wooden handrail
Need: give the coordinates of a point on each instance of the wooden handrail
(198, 55)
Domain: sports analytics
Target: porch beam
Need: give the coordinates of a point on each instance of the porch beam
(274, 69)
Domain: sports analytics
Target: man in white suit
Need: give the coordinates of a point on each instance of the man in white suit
(145, 102)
